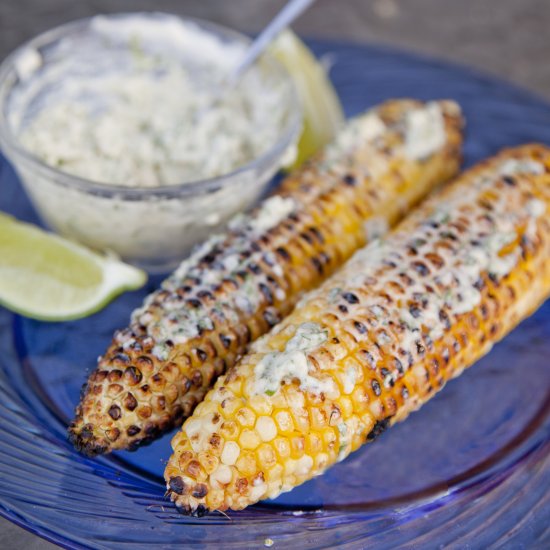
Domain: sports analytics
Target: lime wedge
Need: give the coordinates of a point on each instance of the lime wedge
(47, 277)
(323, 115)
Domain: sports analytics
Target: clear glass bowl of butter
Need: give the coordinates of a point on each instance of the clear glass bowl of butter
(104, 121)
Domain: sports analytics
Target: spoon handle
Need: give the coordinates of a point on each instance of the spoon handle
(292, 10)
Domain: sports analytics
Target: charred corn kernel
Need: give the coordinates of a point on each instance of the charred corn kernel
(412, 311)
(236, 286)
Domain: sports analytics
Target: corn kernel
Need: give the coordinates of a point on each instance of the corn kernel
(376, 408)
(214, 501)
(210, 407)
(318, 418)
(230, 453)
(339, 351)
(314, 444)
(260, 405)
(184, 459)
(200, 408)
(195, 471)
(229, 405)
(274, 473)
(295, 398)
(285, 422)
(289, 467)
(208, 461)
(282, 447)
(266, 456)
(329, 437)
(229, 430)
(304, 465)
(222, 475)
(346, 406)
(297, 445)
(321, 461)
(249, 386)
(367, 420)
(301, 419)
(266, 428)
(359, 397)
(171, 393)
(249, 439)
(246, 463)
(246, 417)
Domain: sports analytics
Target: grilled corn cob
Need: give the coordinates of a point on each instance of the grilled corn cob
(238, 285)
(375, 341)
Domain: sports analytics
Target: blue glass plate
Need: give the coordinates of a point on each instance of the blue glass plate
(471, 469)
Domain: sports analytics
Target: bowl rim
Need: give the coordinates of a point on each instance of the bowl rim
(14, 151)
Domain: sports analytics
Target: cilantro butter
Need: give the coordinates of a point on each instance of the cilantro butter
(138, 126)
(292, 363)
(425, 131)
(271, 212)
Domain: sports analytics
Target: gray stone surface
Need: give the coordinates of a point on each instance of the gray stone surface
(509, 38)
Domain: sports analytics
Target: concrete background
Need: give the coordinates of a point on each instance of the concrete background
(507, 38)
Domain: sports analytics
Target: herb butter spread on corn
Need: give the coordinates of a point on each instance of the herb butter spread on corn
(236, 286)
(291, 364)
(401, 318)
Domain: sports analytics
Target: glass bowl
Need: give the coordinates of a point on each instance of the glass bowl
(151, 226)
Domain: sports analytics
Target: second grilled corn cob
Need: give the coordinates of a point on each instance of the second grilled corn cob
(238, 285)
(375, 341)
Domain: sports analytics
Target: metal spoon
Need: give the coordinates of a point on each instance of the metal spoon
(291, 11)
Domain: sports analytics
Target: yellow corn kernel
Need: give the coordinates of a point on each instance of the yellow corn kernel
(229, 430)
(284, 422)
(208, 461)
(275, 473)
(282, 447)
(297, 446)
(249, 439)
(246, 463)
(318, 418)
(266, 456)
(260, 405)
(246, 417)
(229, 405)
